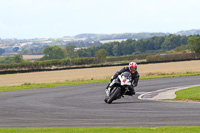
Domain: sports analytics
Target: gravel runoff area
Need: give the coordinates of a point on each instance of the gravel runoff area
(168, 93)
(96, 73)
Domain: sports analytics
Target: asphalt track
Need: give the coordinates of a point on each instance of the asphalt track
(83, 106)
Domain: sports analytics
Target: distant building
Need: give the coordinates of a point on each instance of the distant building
(76, 49)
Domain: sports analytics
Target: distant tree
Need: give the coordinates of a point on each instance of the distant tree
(69, 51)
(101, 55)
(116, 50)
(141, 45)
(18, 58)
(127, 47)
(25, 52)
(194, 44)
(83, 53)
(173, 41)
(157, 41)
(181, 48)
(15, 49)
(2, 51)
(53, 52)
(167, 44)
(108, 47)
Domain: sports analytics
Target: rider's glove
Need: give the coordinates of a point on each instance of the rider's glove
(134, 84)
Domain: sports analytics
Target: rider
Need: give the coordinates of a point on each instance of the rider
(135, 76)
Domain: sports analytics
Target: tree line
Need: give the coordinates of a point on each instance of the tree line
(132, 47)
(57, 56)
(128, 47)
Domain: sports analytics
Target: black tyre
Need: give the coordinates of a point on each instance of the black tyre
(115, 94)
(106, 99)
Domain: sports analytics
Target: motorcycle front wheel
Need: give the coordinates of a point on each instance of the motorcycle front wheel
(115, 94)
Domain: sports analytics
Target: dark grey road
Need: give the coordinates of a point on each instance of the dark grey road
(83, 106)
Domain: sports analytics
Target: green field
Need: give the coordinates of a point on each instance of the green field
(104, 130)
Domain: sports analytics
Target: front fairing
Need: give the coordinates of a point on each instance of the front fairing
(125, 79)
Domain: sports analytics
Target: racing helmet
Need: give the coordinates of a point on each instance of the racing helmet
(132, 67)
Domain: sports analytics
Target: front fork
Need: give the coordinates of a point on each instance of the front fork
(108, 88)
(126, 90)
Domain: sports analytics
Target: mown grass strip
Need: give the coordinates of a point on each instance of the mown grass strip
(34, 86)
(104, 130)
(188, 94)
(163, 75)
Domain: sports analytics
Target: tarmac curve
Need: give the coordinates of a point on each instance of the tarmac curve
(83, 106)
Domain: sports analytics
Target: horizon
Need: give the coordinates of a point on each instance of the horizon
(30, 19)
(98, 34)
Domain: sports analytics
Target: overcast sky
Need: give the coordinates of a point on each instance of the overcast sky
(27, 19)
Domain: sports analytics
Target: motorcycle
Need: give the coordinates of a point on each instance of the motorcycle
(118, 87)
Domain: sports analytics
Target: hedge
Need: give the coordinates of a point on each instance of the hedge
(171, 57)
(49, 63)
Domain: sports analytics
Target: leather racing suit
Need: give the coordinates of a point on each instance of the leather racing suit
(135, 78)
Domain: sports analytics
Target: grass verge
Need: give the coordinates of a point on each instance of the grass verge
(33, 86)
(103, 130)
(188, 94)
(164, 75)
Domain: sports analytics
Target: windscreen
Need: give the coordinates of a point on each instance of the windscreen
(127, 75)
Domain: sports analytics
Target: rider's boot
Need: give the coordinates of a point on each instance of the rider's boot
(131, 92)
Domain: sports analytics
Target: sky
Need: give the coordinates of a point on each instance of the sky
(29, 19)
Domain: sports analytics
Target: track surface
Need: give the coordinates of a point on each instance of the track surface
(83, 106)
